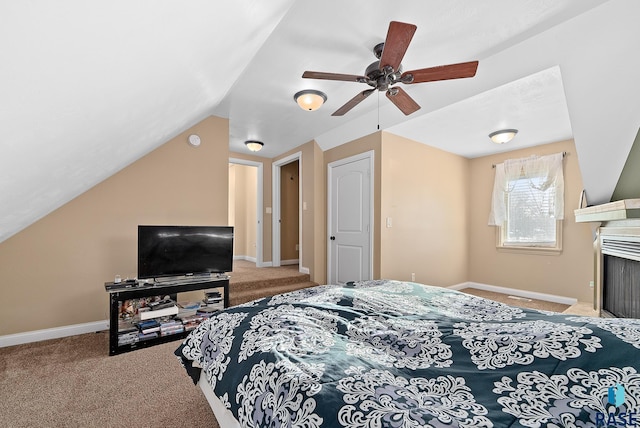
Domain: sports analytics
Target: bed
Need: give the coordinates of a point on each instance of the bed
(388, 353)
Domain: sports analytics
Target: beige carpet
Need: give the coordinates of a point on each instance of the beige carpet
(244, 271)
(248, 283)
(72, 382)
(517, 301)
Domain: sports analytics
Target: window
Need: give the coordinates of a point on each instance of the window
(528, 204)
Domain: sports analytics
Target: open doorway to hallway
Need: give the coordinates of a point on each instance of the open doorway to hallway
(245, 215)
(287, 211)
(289, 214)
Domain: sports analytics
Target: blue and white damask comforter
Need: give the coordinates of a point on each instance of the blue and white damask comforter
(400, 354)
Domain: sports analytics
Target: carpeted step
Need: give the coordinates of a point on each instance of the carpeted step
(240, 286)
(243, 296)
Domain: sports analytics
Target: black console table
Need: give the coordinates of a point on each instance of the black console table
(128, 291)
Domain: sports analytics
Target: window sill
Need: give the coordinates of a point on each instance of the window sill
(541, 251)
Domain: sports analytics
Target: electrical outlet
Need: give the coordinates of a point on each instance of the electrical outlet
(590, 284)
(413, 276)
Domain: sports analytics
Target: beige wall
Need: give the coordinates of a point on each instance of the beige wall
(242, 209)
(425, 193)
(567, 274)
(53, 272)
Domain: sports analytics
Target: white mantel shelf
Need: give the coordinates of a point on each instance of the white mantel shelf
(618, 210)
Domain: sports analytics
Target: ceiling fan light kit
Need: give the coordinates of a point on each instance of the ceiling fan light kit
(310, 99)
(253, 145)
(381, 75)
(503, 136)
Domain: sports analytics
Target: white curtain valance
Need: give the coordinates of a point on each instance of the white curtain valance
(546, 169)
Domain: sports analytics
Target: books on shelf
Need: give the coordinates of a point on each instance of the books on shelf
(171, 327)
(128, 338)
(149, 326)
(192, 321)
(147, 336)
(165, 317)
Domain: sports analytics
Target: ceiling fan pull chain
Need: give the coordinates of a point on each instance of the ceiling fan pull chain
(378, 110)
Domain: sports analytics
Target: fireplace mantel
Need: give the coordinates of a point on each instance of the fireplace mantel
(618, 234)
(618, 210)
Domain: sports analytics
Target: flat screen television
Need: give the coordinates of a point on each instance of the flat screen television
(165, 251)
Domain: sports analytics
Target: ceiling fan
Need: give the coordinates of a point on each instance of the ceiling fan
(381, 75)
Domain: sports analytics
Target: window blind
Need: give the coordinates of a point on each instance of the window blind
(530, 212)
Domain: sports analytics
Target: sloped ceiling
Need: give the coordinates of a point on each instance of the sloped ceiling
(87, 88)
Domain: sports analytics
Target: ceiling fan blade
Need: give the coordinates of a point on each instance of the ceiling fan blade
(398, 38)
(402, 100)
(442, 72)
(353, 102)
(333, 76)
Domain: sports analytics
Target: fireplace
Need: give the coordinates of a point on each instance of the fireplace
(621, 287)
(617, 275)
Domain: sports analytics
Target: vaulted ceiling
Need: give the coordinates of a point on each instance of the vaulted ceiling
(87, 88)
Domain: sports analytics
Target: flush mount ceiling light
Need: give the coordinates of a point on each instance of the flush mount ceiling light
(253, 145)
(310, 99)
(503, 136)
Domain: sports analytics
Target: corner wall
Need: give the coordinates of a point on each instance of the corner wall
(424, 196)
(567, 274)
(53, 272)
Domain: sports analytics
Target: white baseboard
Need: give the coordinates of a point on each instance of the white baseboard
(304, 270)
(247, 258)
(52, 333)
(289, 262)
(515, 292)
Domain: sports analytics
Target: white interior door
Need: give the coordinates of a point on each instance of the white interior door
(350, 218)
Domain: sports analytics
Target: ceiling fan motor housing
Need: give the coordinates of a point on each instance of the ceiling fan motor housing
(381, 79)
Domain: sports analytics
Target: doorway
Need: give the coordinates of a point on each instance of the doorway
(289, 215)
(245, 209)
(287, 212)
(350, 216)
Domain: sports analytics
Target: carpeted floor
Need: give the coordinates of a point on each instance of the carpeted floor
(72, 382)
(249, 283)
(517, 301)
(244, 271)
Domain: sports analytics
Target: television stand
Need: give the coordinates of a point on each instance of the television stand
(121, 292)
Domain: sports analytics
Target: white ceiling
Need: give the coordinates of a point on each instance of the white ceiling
(89, 88)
